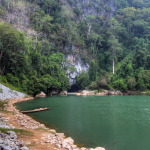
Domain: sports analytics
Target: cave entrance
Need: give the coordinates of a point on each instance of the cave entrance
(74, 88)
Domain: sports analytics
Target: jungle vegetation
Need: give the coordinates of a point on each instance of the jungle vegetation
(115, 45)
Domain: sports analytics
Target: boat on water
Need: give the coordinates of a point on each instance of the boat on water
(35, 110)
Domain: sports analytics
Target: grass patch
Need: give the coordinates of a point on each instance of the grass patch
(42, 129)
(19, 132)
(5, 111)
(31, 145)
(3, 104)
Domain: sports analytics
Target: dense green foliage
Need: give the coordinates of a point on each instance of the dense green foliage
(34, 63)
(24, 67)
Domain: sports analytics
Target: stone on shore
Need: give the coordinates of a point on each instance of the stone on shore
(9, 142)
(115, 92)
(86, 93)
(68, 140)
(42, 94)
(99, 148)
(63, 93)
(54, 93)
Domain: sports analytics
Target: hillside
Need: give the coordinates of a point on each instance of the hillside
(52, 45)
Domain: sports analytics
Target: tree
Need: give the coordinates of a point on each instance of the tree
(93, 70)
(114, 49)
(82, 80)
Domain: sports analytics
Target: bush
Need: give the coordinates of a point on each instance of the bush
(131, 83)
(93, 86)
(3, 79)
(3, 105)
(82, 80)
(13, 80)
(120, 85)
(110, 87)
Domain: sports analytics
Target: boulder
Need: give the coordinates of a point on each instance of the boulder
(78, 94)
(86, 92)
(24, 148)
(63, 93)
(42, 94)
(69, 140)
(52, 130)
(60, 135)
(99, 148)
(54, 93)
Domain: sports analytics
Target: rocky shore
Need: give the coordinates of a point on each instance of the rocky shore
(8, 140)
(58, 140)
(105, 92)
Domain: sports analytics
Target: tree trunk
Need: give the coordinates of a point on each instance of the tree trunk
(113, 66)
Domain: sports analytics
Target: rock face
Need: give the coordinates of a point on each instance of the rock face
(42, 94)
(75, 66)
(7, 93)
(92, 7)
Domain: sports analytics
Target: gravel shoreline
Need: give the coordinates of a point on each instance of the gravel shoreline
(57, 139)
(8, 140)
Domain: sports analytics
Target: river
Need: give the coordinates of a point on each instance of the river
(112, 122)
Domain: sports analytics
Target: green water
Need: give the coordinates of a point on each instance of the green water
(113, 122)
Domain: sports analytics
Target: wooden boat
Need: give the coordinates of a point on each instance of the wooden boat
(35, 110)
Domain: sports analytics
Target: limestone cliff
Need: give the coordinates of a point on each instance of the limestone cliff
(18, 13)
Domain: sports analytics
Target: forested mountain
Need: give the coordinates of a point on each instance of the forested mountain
(45, 44)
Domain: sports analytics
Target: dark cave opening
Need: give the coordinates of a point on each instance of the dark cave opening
(74, 88)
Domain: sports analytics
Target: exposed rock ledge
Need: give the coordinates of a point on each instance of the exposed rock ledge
(7, 93)
(57, 139)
